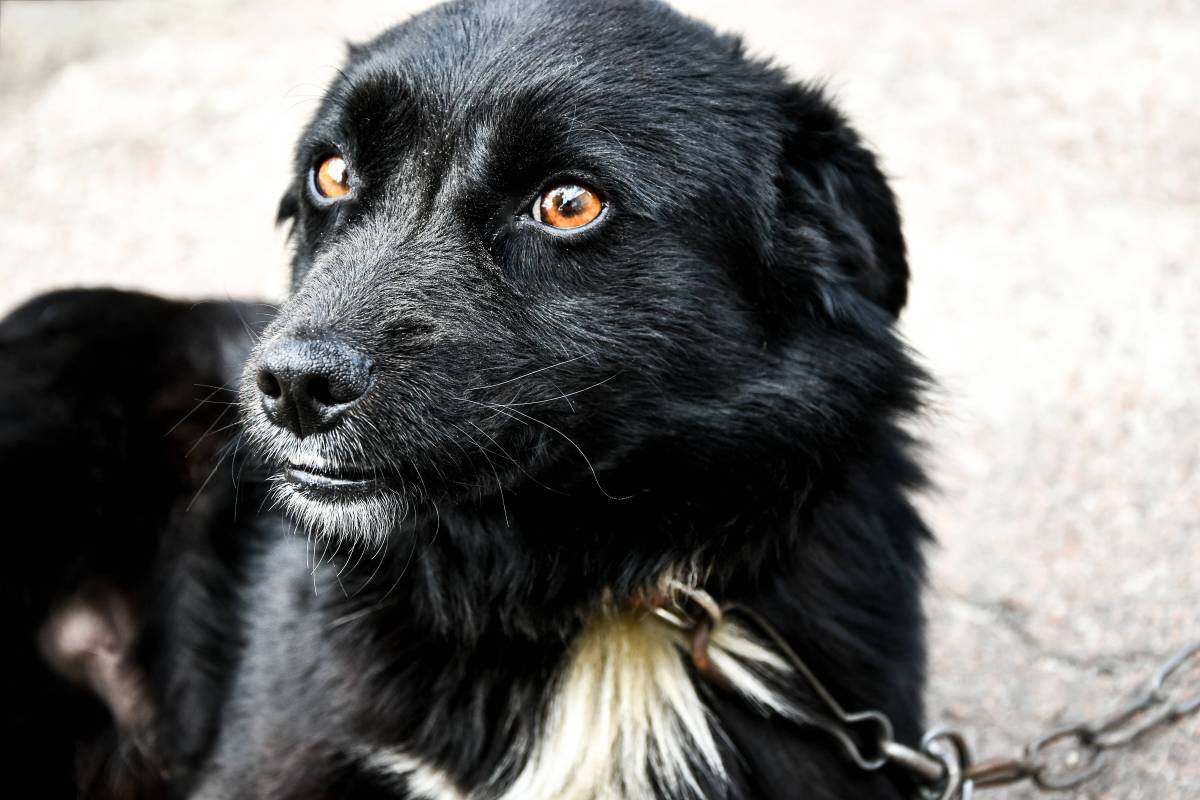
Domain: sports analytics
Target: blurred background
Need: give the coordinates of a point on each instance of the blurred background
(1047, 157)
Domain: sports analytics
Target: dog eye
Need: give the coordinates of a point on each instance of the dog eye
(333, 178)
(567, 206)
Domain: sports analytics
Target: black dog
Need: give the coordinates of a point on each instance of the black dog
(591, 313)
(123, 553)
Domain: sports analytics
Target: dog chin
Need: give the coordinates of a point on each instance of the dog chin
(360, 516)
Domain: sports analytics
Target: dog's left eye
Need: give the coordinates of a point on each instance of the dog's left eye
(332, 178)
(567, 206)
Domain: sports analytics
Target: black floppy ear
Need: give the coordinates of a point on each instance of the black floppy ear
(289, 206)
(829, 174)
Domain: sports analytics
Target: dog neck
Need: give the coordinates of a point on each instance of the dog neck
(551, 642)
(537, 562)
(625, 716)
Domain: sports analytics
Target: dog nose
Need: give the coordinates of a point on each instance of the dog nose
(307, 384)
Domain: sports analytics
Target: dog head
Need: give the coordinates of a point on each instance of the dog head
(539, 242)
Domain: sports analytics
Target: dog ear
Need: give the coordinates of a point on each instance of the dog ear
(289, 206)
(829, 174)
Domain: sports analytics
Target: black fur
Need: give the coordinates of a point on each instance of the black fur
(106, 463)
(708, 375)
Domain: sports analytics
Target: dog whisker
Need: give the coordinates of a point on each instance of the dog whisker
(527, 374)
(558, 397)
(337, 576)
(204, 484)
(212, 432)
(403, 571)
(505, 454)
(578, 449)
(199, 404)
(501, 451)
(379, 556)
(206, 402)
(235, 472)
(346, 563)
(253, 334)
(499, 484)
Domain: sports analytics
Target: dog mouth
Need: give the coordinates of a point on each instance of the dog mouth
(330, 480)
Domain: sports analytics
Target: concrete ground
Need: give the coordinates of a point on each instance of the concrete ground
(1048, 159)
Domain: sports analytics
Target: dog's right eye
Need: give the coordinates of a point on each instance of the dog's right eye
(567, 206)
(332, 178)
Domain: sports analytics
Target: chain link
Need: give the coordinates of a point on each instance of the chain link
(1060, 760)
(1067, 757)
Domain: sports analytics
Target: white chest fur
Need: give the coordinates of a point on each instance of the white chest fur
(625, 717)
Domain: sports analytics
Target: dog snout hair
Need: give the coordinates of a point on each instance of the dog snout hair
(307, 384)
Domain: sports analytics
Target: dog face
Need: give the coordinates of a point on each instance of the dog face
(541, 242)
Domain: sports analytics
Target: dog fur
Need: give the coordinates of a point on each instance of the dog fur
(124, 549)
(705, 386)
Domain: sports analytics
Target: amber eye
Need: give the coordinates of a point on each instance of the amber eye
(567, 206)
(333, 178)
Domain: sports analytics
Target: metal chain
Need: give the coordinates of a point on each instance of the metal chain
(1067, 757)
(1060, 760)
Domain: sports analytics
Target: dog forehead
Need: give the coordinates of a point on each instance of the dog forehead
(590, 56)
(472, 32)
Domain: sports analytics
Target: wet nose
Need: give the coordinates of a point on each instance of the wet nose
(306, 385)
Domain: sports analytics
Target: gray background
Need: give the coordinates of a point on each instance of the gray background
(1047, 155)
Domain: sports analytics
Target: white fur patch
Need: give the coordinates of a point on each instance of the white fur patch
(625, 717)
(420, 780)
(366, 519)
